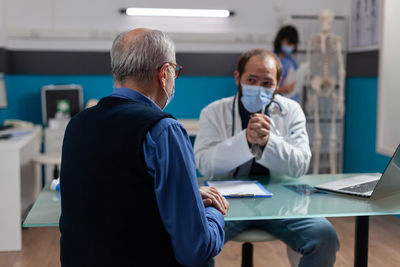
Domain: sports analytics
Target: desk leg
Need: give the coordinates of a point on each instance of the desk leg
(247, 254)
(361, 242)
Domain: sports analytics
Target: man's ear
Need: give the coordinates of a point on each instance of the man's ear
(237, 77)
(162, 76)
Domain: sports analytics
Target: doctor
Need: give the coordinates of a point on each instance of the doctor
(258, 132)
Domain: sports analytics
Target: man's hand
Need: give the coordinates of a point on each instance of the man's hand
(212, 197)
(257, 131)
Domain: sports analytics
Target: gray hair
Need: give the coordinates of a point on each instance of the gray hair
(140, 58)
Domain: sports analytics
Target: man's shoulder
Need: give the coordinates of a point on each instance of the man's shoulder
(166, 124)
(81, 115)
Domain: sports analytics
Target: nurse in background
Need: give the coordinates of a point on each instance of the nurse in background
(285, 45)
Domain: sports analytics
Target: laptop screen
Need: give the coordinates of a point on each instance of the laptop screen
(396, 158)
(390, 180)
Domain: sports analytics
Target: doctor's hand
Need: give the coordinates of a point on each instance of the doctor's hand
(257, 131)
(212, 197)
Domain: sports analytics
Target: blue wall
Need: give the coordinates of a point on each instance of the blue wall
(360, 127)
(23, 93)
(192, 93)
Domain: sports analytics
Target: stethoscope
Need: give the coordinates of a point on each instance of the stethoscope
(266, 112)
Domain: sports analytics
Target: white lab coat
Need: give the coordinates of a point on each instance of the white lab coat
(218, 153)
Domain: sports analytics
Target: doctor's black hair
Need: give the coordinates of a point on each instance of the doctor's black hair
(244, 58)
(288, 32)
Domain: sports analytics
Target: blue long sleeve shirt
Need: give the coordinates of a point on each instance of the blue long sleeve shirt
(196, 232)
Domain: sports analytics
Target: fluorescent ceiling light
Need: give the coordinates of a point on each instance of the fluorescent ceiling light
(170, 12)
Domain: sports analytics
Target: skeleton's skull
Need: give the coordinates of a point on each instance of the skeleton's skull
(326, 17)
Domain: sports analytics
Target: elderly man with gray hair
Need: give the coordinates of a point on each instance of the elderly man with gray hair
(128, 178)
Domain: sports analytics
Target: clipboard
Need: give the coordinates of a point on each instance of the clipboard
(240, 188)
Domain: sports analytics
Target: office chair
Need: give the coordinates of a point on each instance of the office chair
(255, 235)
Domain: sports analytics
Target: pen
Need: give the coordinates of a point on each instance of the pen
(241, 195)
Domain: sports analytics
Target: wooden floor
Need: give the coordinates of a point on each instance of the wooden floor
(41, 247)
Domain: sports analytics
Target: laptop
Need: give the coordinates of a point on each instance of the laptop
(370, 186)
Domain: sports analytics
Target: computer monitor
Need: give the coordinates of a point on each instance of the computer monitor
(61, 98)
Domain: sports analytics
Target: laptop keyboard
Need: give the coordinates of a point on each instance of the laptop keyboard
(361, 188)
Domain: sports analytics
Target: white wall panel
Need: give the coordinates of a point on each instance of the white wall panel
(256, 20)
(388, 128)
(25, 13)
(2, 27)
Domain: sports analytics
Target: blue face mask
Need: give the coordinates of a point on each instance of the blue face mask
(169, 98)
(254, 97)
(286, 49)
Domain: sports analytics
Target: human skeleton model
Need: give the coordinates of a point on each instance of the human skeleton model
(324, 53)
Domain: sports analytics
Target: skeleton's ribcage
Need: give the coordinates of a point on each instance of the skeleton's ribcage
(323, 64)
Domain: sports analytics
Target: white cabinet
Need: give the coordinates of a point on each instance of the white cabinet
(20, 184)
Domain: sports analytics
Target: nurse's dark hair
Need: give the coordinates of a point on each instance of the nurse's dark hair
(244, 58)
(289, 33)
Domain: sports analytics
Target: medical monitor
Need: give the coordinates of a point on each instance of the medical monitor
(67, 99)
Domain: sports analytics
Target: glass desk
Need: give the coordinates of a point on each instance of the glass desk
(284, 204)
(46, 211)
(287, 204)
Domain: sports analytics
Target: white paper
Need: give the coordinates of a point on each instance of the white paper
(229, 188)
(297, 76)
(291, 76)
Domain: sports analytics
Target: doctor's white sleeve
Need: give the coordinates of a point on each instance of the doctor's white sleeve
(216, 153)
(289, 154)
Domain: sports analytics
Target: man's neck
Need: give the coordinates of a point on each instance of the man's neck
(151, 91)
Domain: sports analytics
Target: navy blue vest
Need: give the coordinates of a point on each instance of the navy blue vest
(109, 211)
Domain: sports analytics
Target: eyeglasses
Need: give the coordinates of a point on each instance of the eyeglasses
(177, 68)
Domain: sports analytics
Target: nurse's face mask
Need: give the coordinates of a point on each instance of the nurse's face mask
(287, 49)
